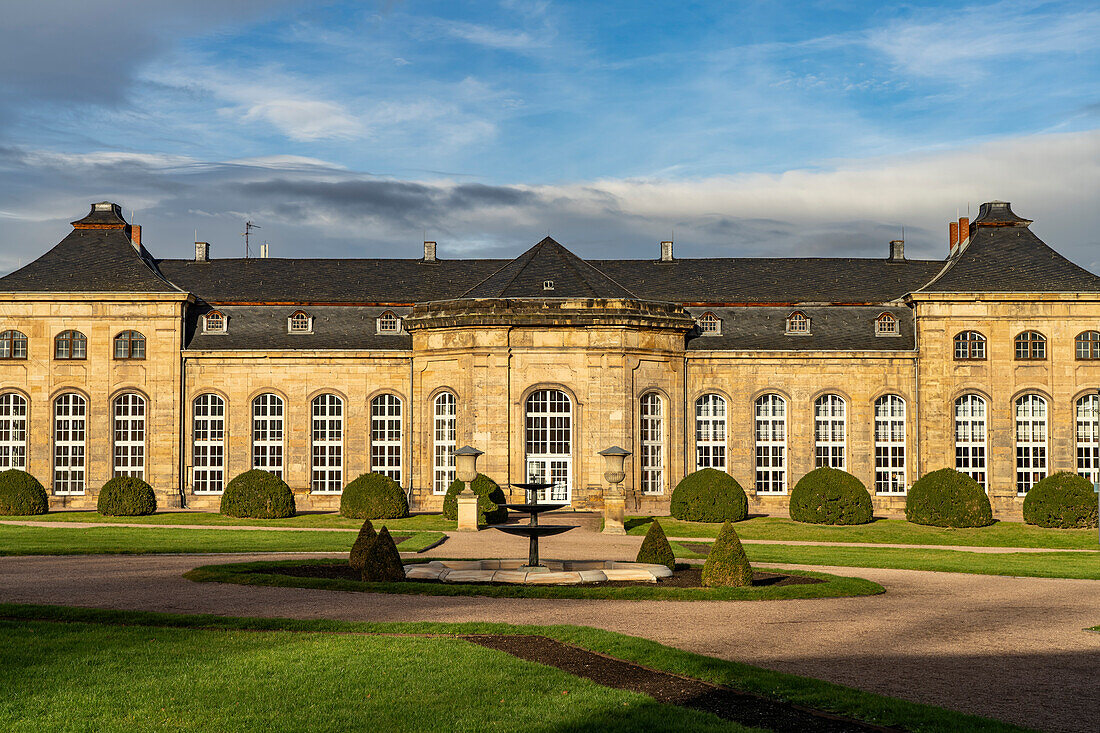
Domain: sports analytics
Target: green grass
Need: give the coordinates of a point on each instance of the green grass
(249, 574)
(889, 531)
(1030, 564)
(418, 522)
(23, 540)
(45, 669)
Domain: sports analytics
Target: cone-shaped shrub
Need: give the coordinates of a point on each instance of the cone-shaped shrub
(489, 499)
(21, 494)
(126, 496)
(362, 545)
(259, 495)
(727, 565)
(709, 495)
(655, 548)
(383, 562)
(948, 498)
(830, 496)
(1062, 500)
(374, 496)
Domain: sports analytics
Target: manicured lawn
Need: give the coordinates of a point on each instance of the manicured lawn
(22, 540)
(120, 670)
(329, 520)
(888, 531)
(1031, 564)
(250, 574)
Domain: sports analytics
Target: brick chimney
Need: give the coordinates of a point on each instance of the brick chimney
(952, 235)
(666, 252)
(897, 250)
(429, 251)
(202, 251)
(964, 229)
(135, 236)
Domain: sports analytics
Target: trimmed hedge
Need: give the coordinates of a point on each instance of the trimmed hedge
(655, 548)
(489, 498)
(363, 542)
(257, 494)
(383, 562)
(830, 496)
(126, 496)
(948, 498)
(1063, 501)
(709, 495)
(21, 494)
(374, 496)
(727, 565)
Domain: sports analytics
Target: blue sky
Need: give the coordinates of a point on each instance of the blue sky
(350, 129)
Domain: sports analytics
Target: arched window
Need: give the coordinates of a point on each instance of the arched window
(1087, 343)
(299, 322)
(70, 345)
(208, 434)
(1031, 345)
(13, 431)
(444, 437)
(771, 444)
(13, 345)
(1088, 438)
(1031, 442)
(710, 323)
(327, 432)
(653, 444)
(70, 413)
(267, 433)
(798, 323)
(890, 445)
(214, 322)
(129, 345)
(969, 345)
(385, 435)
(970, 440)
(710, 432)
(129, 438)
(886, 325)
(549, 442)
(389, 323)
(830, 429)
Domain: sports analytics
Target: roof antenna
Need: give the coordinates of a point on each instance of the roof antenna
(248, 227)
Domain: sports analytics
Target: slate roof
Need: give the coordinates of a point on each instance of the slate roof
(832, 328)
(548, 263)
(265, 328)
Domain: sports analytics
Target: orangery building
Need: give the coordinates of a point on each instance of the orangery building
(189, 372)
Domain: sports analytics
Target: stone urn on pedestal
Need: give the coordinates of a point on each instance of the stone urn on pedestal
(466, 471)
(614, 500)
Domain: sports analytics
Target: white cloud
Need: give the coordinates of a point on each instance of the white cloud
(483, 35)
(306, 119)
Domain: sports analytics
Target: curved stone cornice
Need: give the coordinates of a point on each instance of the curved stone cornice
(548, 313)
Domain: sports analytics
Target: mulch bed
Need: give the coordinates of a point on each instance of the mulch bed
(729, 704)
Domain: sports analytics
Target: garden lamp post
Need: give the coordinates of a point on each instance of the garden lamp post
(614, 502)
(466, 471)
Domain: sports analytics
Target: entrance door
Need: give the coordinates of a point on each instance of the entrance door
(549, 443)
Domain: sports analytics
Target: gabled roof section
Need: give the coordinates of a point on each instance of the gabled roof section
(548, 270)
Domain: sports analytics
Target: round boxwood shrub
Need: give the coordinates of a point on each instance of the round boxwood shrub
(258, 494)
(709, 495)
(489, 498)
(947, 498)
(126, 496)
(726, 564)
(1062, 500)
(374, 496)
(21, 494)
(830, 496)
(655, 548)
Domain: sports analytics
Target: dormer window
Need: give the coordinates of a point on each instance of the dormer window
(547, 284)
(300, 322)
(389, 323)
(213, 322)
(886, 325)
(710, 324)
(798, 324)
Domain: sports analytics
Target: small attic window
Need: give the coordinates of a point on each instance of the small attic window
(389, 323)
(710, 324)
(798, 324)
(547, 284)
(213, 322)
(300, 322)
(886, 325)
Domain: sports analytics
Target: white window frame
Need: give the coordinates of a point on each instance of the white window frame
(770, 438)
(70, 423)
(129, 417)
(1032, 457)
(798, 324)
(296, 327)
(386, 434)
(389, 322)
(711, 431)
(710, 324)
(830, 432)
(326, 444)
(972, 437)
(973, 344)
(208, 416)
(208, 328)
(13, 431)
(444, 440)
(268, 422)
(1088, 442)
(548, 443)
(652, 412)
(890, 449)
(887, 325)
